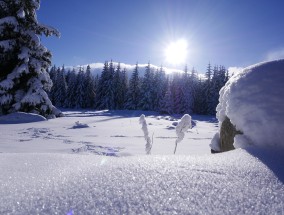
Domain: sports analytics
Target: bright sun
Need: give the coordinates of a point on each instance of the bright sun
(176, 52)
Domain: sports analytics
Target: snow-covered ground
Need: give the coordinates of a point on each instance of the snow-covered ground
(94, 162)
(116, 133)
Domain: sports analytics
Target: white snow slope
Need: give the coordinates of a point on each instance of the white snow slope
(52, 167)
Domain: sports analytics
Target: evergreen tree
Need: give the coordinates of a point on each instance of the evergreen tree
(53, 77)
(123, 89)
(186, 96)
(89, 88)
(96, 89)
(72, 89)
(110, 88)
(106, 88)
(147, 88)
(200, 106)
(208, 88)
(160, 87)
(120, 87)
(81, 90)
(24, 61)
(176, 93)
(167, 104)
(133, 93)
(60, 88)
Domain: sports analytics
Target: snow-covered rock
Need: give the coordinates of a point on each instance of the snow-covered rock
(254, 102)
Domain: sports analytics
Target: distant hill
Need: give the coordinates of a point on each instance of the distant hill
(96, 68)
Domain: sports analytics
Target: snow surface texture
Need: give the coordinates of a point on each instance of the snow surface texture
(48, 167)
(85, 184)
(253, 100)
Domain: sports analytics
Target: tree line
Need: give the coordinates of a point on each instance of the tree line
(154, 90)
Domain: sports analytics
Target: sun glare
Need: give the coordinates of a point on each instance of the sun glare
(176, 52)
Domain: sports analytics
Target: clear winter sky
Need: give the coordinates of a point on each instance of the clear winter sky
(233, 33)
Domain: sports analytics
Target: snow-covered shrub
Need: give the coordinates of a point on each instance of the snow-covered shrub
(80, 125)
(253, 101)
(182, 127)
(144, 128)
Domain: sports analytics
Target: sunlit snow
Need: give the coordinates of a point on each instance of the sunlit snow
(54, 167)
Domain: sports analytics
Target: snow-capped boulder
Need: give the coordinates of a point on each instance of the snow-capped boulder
(253, 101)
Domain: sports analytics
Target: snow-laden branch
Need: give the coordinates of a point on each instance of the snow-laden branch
(144, 128)
(182, 127)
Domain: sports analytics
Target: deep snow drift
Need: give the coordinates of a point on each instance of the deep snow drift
(254, 101)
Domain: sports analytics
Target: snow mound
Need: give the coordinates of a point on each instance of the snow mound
(21, 117)
(253, 100)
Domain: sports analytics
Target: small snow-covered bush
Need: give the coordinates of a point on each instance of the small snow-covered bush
(144, 128)
(80, 125)
(182, 127)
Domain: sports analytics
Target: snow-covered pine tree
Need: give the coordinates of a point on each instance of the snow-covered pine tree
(133, 93)
(209, 91)
(24, 60)
(186, 93)
(124, 88)
(120, 87)
(176, 93)
(90, 88)
(102, 86)
(159, 91)
(218, 81)
(59, 88)
(194, 84)
(53, 76)
(116, 86)
(167, 104)
(147, 89)
(200, 106)
(81, 90)
(72, 82)
(109, 99)
(96, 89)
(106, 88)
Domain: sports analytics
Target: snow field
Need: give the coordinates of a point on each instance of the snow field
(53, 167)
(109, 133)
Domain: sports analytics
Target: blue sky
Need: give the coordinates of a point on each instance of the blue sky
(233, 33)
